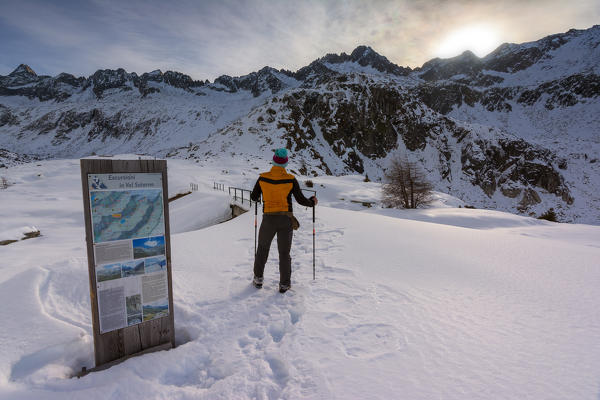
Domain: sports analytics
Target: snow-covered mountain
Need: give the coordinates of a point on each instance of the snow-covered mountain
(516, 130)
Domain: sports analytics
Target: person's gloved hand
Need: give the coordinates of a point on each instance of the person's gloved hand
(314, 200)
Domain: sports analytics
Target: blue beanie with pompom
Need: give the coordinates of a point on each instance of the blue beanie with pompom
(280, 158)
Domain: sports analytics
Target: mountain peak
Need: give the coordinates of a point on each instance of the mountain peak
(362, 51)
(366, 56)
(23, 70)
(468, 54)
(443, 68)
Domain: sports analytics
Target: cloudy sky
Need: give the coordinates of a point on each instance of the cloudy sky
(208, 38)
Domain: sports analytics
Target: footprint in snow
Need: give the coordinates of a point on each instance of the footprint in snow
(372, 340)
(279, 368)
(256, 333)
(277, 331)
(295, 315)
(69, 357)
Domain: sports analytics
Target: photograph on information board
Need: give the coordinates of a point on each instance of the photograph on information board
(148, 247)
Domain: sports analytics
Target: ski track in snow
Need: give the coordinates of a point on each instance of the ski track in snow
(260, 326)
(63, 308)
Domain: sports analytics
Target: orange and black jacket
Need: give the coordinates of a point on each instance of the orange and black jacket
(277, 187)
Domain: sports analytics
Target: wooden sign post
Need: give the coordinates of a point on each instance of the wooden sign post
(129, 257)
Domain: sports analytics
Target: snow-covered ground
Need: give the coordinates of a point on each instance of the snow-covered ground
(443, 302)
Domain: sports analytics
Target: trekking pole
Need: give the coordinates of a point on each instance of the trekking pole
(255, 225)
(314, 232)
(314, 277)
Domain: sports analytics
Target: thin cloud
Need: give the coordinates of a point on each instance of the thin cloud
(209, 38)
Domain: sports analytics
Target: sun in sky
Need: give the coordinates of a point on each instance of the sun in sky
(480, 39)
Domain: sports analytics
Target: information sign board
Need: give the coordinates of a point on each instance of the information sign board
(127, 232)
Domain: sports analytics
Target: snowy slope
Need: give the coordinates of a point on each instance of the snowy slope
(440, 303)
(558, 56)
(153, 124)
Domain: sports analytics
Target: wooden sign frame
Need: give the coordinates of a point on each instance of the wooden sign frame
(157, 334)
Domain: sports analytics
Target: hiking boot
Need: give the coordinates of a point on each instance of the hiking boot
(257, 282)
(283, 288)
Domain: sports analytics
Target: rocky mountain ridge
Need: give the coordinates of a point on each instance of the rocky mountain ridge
(489, 130)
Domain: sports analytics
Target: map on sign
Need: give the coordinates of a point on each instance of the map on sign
(127, 214)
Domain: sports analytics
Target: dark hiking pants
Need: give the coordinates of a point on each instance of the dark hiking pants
(282, 226)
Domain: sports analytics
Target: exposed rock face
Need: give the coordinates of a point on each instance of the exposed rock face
(23, 81)
(530, 197)
(314, 70)
(97, 124)
(267, 79)
(22, 75)
(365, 122)
(261, 81)
(561, 93)
(467, 63)
(119, 79)
(443, 98)
(565, 92)
(507, 162)
(368, 124)
(110, 79)
(362, 55)
(10, 159)
(7, 117)
(228, 82)
(171, 78)
(366, 56)
(513, 57)
(508, 58)
(179, 80)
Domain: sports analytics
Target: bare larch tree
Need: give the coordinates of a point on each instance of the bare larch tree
(405, 185)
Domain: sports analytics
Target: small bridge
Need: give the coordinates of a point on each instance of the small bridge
(241, 198)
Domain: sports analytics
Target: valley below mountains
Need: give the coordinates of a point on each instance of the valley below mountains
(517, 130)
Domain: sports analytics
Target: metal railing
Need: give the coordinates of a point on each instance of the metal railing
(238, 193)
(240, 197)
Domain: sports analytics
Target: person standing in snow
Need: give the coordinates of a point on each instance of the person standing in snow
(277, 187)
